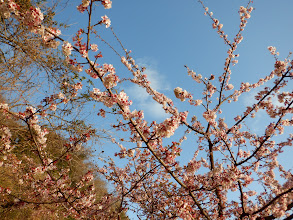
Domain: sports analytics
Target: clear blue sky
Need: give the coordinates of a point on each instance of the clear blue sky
(165, 35)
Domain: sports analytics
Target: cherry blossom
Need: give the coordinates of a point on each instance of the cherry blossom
(228, 157)
(67, 48)
(106, 21)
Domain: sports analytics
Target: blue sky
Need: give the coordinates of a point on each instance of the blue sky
(165, 35)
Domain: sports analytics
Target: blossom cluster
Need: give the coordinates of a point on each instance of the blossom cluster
(210, 116)
(280, 67)
(110, 99)
(245, 12)
(106, 21)
(168, 127)
(67, 48)
(49, 35)
(107, 4)
(110, 80)
(74, 65)
(32, 18)
(181, 94)
(83, 6)
(196, 77)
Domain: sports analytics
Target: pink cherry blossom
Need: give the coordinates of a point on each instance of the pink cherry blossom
(106, 21)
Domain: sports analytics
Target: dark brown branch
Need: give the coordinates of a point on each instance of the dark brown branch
(273, 200)
(265, 139)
